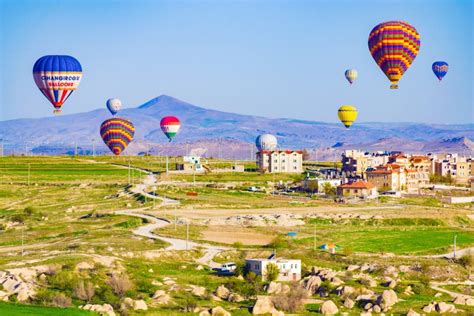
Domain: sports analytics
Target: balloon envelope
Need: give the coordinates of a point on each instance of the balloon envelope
(394, 45)
(440, 69)
(117, 133)
(114, 105)
(347, 114)
(351, 75)
(170, 126)
(57, 76)
(266, 142)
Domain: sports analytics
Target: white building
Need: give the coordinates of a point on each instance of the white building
(290, 269)
(285, 161)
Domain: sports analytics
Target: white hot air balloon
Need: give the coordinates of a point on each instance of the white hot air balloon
(351, 75)
(114, 105)
(266, 142)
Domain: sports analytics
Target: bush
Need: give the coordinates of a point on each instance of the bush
(348, 251)
(29, 210)
(279, 242)
(189, 303)
(293, 301)
(17, 218)
(467, 260)
(61, 300)
(238, 245)
(418, 288)
(272, 272)
(84, 291)
(120, 284)
(63, 280)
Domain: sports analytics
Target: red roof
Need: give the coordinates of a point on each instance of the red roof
(287, 151)
(357, 185)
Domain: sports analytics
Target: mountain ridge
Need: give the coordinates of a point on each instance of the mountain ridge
(201, 124)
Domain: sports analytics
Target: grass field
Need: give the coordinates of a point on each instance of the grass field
(8, 309)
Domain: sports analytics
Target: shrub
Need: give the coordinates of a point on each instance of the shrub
(17, 218)
(467, 260)
(348, 251)
(279, 242)
(272, 272)
(84, 291)
(293, 301)
(418, 288)
(61, 300)
(29, 210)
(63, 280)
(238, 245)
(120, 284)
(189, 303)
(348, 276)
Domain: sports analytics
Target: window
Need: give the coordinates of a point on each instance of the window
(283, 160)
(355, 191)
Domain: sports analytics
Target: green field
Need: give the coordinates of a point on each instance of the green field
(32, 310)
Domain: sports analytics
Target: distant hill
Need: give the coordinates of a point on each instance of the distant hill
(208, 130)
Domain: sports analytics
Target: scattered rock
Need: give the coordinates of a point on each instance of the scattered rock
(443, 307)
(264, 305)
(236, 298)
(84, 266)
(387, 299)
(429, 308)
(329, 308)
(312, 283)
(411, 312)
(105, 309)
(348, 303)
(353, 267)
(470, 301)
(274, 288)
(198, 290)
(204, 313)
(219, 311)
(222, 292)
(199, 268)
(140, 305)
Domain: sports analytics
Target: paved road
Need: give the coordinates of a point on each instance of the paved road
(175, 244)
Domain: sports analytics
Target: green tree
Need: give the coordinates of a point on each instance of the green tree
(272, 272)
(329, 189)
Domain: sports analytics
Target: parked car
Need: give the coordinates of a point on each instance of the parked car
(227, 268)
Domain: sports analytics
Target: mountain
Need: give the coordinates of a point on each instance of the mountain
(226, 134)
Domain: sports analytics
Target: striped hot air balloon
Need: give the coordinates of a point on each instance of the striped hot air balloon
(117, 133)
(170, 126)
(440, 69)
(347, 114)
(57, 77)
(351, 75)
(394, 45)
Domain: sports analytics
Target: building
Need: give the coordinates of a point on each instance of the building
(389, 177)
(360, 189)
(317, 185)
(190, 164)
(289, 269)
(356, 162)
(280, 161)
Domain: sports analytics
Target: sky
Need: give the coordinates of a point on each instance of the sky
(266, 58)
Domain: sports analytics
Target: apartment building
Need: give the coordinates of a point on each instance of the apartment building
(280, 161)
(356, 162)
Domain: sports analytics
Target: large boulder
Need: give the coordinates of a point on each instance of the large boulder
(140, 305)
(411, 312)
(329, 308)
(443, 307)
(429, 308)
(219, 311)
(348, 303)
(84, 265)
(264, 305)
(274, 288)
(235, 298)
(387, 299)
(222, 292)
(312, 283)
(198, 290)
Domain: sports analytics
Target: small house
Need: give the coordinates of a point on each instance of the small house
(289, 269)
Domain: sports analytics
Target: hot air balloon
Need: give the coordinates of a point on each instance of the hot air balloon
(114, 105)
(351, 75)
(170, 126)
(57, 76)
(347, 114)
(117, 133)
(394, 45)
(266, 142)
(440, 69)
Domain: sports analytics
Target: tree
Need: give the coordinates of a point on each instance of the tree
(120, 283)
(293, 301)
(272, 272)
(329, 189)
(312, 185)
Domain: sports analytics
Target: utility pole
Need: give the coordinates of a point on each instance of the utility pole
(187, 234)
(93, 147)
(314, 237)
(454, 253)
(166, 164)
(26, 149)
(194, 174)
(129, 172)
(75, 149)
(22, 241)
(1, 144)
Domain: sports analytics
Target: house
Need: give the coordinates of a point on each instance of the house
(360, 189)
(317, 185)
(190, 164)
(387, 178)
(289, 269)
(280, 161)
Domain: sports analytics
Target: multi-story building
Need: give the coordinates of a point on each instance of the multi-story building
(289, 269)
(285, 161)
(356, 162)
(390, 177)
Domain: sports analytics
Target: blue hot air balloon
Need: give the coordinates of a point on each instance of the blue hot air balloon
(57, 76)
(440, 69)
(114, 105)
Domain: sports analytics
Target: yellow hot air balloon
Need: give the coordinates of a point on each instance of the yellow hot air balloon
(347, 114)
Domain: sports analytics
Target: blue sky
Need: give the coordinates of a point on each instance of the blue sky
(268, 58)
